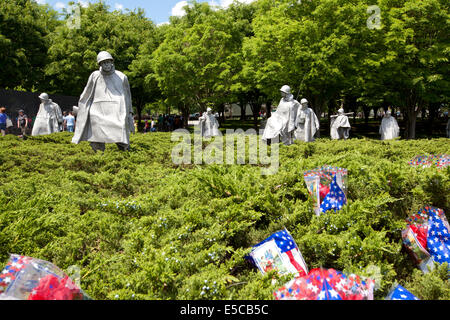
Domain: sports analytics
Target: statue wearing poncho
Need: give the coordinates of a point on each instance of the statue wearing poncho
(209, 125)
(48, 118)
(307, 123)
(340, 126)
(282, 121)
(389, 128)
(104, 113)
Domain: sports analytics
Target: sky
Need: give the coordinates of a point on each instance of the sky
(158, 11)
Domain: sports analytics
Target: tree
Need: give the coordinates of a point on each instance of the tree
(416, 58)
(24, 30)
(195, 62)
(310, 45)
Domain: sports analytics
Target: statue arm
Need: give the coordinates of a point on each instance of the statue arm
(129, 104)
(59, 115)
(87, 92)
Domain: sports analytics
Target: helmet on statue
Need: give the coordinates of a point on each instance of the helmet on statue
(103, 56)
(286, 89)
(44, 96)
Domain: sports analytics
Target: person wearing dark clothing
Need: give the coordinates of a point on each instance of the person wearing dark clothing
(3, 118)
(22, 123)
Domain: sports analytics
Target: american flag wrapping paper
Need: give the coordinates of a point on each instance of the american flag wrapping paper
(427, 237)
(440, 161)
(25, 278)
(326, 284)
(15, 265)
(335, 199)
(319, 181)
(279, 252)
(400, 293)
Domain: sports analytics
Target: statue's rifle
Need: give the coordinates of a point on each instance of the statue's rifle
(299, 88)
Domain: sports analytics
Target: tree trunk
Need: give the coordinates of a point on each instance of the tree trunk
(410, 121)
(139, 107)
(222, 113)
(433, 108)
(318, 105)
(256, 108)
(410, 114)
(185, 112)
(268, 109)
(243, 106)
(366, 111)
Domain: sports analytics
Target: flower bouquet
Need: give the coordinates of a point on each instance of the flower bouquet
(26, 278)
(320, 185)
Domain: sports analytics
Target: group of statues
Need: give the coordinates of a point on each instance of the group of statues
(296, 121)
(105, 115)
(292, 120)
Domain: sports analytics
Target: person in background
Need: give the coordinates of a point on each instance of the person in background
(161, 123)
(146, 126)
(64, 127)
(69, 122)
(152, 126)
(22, 123)
(3, 118)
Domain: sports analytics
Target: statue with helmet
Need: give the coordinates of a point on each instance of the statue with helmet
(282, 121)
(104, 112)
(340, 125)
(209, 126)
(49, 117)
(389, 128)
(307, 123)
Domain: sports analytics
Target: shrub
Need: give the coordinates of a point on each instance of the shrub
(140, 227)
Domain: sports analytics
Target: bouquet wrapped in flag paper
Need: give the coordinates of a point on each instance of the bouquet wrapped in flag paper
(26, 278)
(328, 188)
(427, 237)
(440, 161)
(279, 252)
(400, 293)
(326, 284)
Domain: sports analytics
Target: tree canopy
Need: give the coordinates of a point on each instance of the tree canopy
(356, 53)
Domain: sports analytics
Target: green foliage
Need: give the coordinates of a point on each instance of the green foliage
(24, 30)
(140, 227)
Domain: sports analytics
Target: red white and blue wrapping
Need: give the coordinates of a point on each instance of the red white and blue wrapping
(438, 240)
(428, 236)
(9, 274)
(291, 258)
(440, 161)
(400, 293)
(335, 199)
(26, 278)
(326, 284)
(319, 182)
